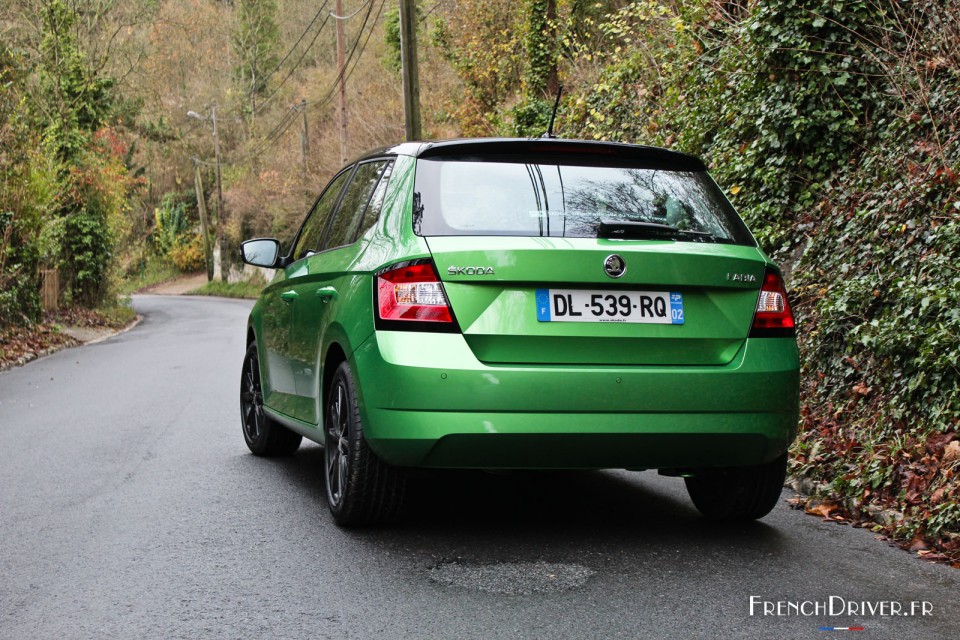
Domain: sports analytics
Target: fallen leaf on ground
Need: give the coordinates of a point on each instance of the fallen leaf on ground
(919, 544)
(822, 509)
(951, 453)
(796, 503)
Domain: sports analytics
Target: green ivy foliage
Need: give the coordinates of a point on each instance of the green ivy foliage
(531, 118)
(835, 129)
(797, 87)
(540, 45)
(87, 251)
(391, 38)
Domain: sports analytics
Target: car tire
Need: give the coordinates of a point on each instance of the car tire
(361, 488)
(741, 493)
(264, 435)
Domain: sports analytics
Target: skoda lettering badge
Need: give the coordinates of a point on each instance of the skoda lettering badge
(614, 266)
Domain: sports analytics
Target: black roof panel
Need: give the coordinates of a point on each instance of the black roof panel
(490, 149)
(566, 150)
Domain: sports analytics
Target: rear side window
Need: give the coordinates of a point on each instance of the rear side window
(469, 197)
(372, 214)
(354, 203)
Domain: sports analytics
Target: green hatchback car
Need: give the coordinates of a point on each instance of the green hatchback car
(524, 304)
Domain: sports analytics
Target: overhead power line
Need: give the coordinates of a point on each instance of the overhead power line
(359, 9)
(352, 59)
(317, 104)
(297, 43)
(295, 66)
(289, 117)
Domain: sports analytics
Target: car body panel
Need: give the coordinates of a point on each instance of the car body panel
(326, 273)
(271, 316)
(507, 391)
(496, 305)
(296, 335)
(427, 380)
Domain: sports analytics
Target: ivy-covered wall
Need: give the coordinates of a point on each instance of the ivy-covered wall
(835, 128)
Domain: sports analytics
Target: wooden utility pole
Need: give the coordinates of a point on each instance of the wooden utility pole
(304, 138)
(343, 86)
(204, 225)
(410, 70)
(221, 218)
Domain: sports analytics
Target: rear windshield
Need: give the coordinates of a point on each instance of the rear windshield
(467, 197)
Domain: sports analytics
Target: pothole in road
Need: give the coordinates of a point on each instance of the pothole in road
(511, 578)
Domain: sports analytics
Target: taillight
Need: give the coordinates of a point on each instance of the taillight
(773, 317)
(410, 296)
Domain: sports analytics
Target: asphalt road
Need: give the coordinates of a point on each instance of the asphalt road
(130, 508)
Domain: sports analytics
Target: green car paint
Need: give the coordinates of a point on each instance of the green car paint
(293, 332)
(440, 399)
(508, 391)
(496, 323)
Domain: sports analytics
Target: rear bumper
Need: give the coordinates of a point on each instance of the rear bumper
(427, 402)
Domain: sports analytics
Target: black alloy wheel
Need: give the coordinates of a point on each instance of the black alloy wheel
(361, 488)
(336, 444)
(263, 435)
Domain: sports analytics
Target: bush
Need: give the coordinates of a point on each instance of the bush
(175, 235)
(94, 204)
(27, 191)
(172, 224)
(187, 255)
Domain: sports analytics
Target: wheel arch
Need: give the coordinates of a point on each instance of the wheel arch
(334, 356)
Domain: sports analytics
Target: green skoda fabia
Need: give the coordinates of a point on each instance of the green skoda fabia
(524, 304)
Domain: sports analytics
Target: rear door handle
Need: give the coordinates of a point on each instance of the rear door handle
(327, 294)
(289, 296)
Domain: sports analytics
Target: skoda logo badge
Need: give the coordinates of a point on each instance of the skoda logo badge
(614, 266)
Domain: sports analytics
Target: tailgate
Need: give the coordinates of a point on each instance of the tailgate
(492, 284)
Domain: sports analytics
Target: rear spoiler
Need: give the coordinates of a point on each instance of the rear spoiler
(574, 152)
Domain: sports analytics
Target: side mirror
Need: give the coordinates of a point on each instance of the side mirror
(262, 252)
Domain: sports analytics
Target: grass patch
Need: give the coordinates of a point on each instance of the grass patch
(250, 290)
(154, 272)
(118, 315)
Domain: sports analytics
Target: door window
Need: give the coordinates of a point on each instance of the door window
(308, 241)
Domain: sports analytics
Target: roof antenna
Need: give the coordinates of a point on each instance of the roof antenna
(553, 116)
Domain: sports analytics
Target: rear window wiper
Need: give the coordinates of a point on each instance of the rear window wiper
(635, 229)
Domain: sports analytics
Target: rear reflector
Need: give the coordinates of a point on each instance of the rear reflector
(412, 292)
(773, 317)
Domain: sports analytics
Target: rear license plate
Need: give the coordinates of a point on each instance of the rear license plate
(578, 305)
